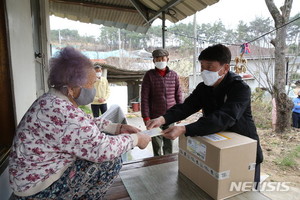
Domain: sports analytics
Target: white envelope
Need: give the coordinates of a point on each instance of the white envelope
(153, 132)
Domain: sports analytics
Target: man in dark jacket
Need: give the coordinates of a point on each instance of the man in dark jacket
(160, 91)
(224, 99)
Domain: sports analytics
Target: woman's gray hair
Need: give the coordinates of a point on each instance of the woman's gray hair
(69, 67)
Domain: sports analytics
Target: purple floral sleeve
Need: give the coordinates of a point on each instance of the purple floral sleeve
(51, 135)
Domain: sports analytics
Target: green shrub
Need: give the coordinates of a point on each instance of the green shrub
(85, 109)
(261, 109)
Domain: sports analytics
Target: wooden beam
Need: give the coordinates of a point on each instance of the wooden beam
(149, 161)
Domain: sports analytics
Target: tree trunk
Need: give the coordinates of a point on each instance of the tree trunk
(284, 113)
(282, 102)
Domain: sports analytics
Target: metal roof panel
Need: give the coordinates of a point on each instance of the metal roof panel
(124, 14)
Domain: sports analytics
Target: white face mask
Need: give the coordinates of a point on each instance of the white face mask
(209, 77)
(98, 74)
(161, 65)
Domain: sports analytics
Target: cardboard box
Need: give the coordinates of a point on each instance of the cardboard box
(214, 161)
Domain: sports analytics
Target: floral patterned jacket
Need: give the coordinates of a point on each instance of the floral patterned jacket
(49, 138)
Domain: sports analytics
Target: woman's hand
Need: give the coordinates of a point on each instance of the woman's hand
(125, 128)
(143, 140)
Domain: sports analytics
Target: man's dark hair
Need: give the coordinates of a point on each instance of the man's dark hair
(216, 52)
(97, 66)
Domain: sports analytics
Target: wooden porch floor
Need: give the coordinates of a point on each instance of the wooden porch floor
(119, 191)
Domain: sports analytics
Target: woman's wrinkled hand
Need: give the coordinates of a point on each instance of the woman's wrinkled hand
(125, 128)
(143, 140)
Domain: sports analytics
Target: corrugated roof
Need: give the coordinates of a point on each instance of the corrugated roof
(142, 54)
(115, 74)
(133, 15)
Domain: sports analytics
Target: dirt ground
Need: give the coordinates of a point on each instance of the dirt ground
(278, 150)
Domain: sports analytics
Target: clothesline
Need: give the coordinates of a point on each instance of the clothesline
(197, 38)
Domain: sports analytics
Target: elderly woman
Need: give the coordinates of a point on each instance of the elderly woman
(59, 152)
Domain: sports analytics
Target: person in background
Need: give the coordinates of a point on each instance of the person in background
(160, 91)
(225, 100)
(102, 93)
(296, 111)
(60, 152)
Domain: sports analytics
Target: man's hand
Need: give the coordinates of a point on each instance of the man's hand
(174, 132)
(143, 140)
(157, 122)
(125, 128)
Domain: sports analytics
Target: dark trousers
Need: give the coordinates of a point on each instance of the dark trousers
(97, 107)
(159, 142)
(257, 176)
(296, 119)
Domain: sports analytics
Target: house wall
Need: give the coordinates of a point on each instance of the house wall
(294, 65)
(22, 55)
(259, 68)
(22, 62)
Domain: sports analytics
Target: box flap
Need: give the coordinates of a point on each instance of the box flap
(224, 140)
